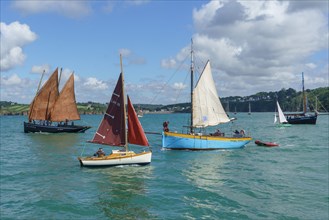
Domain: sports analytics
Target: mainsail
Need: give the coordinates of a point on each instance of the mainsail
(112, 130)
(65, 107)
(136, 133)
(45, 99)
(207, 108)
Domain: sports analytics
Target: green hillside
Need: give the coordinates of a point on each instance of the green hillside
(290, 101)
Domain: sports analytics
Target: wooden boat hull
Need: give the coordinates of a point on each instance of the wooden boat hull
(176, 141)
(32, 127)
(117, 158)
(266, 144)
(302, 119)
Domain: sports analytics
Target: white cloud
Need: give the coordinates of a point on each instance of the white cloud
(17, 89)
(13, 38)
(95, 84)
(311, 65)
(179, 86)
(73, 9)
(10, 81)
(168, 63)
(40, 69)
(206, 14)
(257, 40)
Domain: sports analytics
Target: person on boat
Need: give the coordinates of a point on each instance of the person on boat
(218, 133)
(237, 134)
(243, 133)
(165, 126)
(100, 152)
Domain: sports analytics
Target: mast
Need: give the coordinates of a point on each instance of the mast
(304, 95)
(192, 71)
(43, 73)
(60, 76)
(124, 106)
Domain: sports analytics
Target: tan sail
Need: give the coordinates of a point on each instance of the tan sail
(44, 99)
(65, 107)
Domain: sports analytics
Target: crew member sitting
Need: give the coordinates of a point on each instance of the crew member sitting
(217, 133)
(100, 153)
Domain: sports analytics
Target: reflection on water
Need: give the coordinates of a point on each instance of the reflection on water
(123, 193)
(204, 170)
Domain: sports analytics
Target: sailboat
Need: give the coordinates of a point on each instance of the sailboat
(50, 106)
(282, 119)
(304, 117)
(207, 110)
(113, 131)
(249, 112)
(140, 113)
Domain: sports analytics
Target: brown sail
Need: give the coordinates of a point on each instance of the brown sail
(112, 129)
(65, 107)
(136, 133)
(44, 99)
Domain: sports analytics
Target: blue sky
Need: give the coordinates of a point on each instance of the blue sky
(253, 46)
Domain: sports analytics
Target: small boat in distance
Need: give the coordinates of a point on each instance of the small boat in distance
(207, 110)
(113, 131)
(140, 112)
(49, 107)
(304, 117)
(266, 144)
(282, 119)
(249, 107)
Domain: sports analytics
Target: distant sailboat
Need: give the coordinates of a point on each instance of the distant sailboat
(118, 128)
(282, 119)
(249, 112)
(302, 118)
(207, 110)
(49, 106)
(140, 113)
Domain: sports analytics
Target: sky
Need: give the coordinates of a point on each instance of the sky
(253, 46)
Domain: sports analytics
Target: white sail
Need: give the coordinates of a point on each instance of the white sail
(207, 108)
(282, 118)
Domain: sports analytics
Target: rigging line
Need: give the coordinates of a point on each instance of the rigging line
(180, 90)
(166, 83)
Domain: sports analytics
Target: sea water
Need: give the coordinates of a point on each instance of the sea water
(41, 177)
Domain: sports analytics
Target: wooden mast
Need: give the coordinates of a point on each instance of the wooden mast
(60, 76)
(124, 105)
(192, 71)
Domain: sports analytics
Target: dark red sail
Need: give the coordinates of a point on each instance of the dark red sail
(112, 130)
(136, 133)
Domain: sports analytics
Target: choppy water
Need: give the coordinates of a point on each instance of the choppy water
(41, 177)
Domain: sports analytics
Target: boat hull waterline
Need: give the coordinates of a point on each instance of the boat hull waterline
(32, 128)
(117, 158)
(176, 141)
